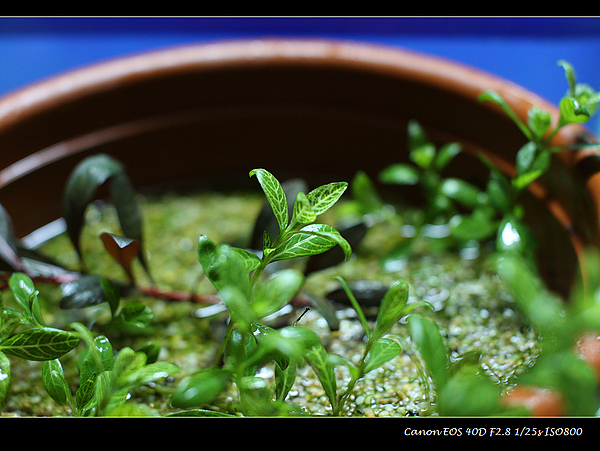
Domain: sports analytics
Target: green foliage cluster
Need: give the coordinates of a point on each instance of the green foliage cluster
(250, 293)
(105, 380)
(496, 213)
(236, 274)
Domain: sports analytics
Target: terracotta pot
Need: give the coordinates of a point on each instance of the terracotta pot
(207, 114)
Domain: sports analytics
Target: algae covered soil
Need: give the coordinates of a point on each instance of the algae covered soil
(470, 305)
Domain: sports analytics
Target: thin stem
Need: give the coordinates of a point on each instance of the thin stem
(349, 389)
(221, 351)
(356, 305)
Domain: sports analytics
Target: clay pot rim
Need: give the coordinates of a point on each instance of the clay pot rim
(458, 78)
(461, 79)
(433, 70)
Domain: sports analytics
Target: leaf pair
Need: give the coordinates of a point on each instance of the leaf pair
(311, 238)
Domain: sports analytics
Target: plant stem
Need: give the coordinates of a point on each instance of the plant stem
(221, 351)
(360, 373)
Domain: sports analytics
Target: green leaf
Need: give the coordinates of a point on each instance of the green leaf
(126, 365)
(303, 212)
(239, 347)
(324, 197)
(104, 397)
(282, 345)
(423, 155)
(480, 225)
(530, 164)
(430, 343)
(256, 397)
(401, 174)
(131, 410)
(96, 358)
(462, 192)
(111, 294)
(569, 75)
(250, 261)
(572, 111)
(276, 291)
(239, 306)
(543, 309)
(391, 309)
(311, 240)
(416, 135)
(365, 193)
(152, 351)
(151, 373)
(319, 361)
(4, 377)
(284, 378)
(23, 290)
(515, 236)
(54, 381)
(85, 393)
(225, 265)
(469, 393)
(201, 388)
(41, 343)
(500, 194)
(382, 351)
(539, 121)
(10, 319)
(446, 154)
(133, 318)
(275, 195)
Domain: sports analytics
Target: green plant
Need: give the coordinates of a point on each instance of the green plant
(104, 381)
(380, 346)
(559, 366)
(472, 213)
(533, 159)
(426, 171)
(24, 333)
(236, 273)
(251, 291)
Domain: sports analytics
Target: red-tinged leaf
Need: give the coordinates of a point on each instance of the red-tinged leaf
(122, 249)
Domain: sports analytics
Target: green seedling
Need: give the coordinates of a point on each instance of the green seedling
(24, 333)
(426, 171)
(380, 346)
(237, 275)
(105, 383)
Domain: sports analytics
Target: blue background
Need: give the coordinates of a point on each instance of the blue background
(524, 50)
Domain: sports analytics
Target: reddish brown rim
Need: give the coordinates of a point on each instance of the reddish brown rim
(21, 155)
(434, 71)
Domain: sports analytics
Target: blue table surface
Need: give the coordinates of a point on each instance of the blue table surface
(522, 49)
